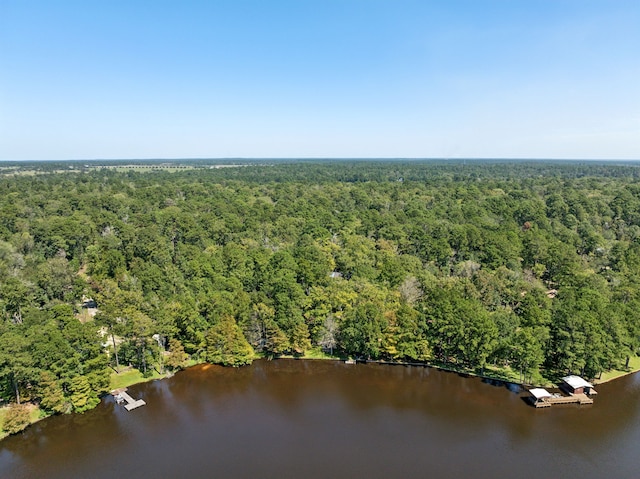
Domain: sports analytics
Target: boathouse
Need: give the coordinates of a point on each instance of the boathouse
(540, 397)
(577, 385)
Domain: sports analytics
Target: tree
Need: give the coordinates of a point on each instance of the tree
(16, 364)
(16, 418)
(51, 394)
(461, 328)
(528, 353)
(411, 342)
(141, 330)
(299, 334)
(15, 294)
(227, 345)
(115, 305)
(82, 397)
(410, 290)
(275, 341)
(177, 358)
(329, 330)
(361, 332)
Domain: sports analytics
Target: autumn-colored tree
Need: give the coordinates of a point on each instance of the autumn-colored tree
(176, 358)
(16, 418)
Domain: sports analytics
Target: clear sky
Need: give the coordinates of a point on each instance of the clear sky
(319, 78)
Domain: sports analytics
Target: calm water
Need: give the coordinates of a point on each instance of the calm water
(321, 419)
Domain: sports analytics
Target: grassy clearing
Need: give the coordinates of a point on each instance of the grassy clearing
(193, 362)
(315, 353)
(131, 377)
(634, 366)
(318, 353)
(493, 372)
(507, 374)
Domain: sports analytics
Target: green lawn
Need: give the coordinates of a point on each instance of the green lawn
(130, 377)
(314, 353)
(634, 366)
(317, 353)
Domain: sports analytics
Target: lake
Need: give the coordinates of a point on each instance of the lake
(327, 419)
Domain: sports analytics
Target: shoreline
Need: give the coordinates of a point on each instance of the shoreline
(597, 382)
(137, 377)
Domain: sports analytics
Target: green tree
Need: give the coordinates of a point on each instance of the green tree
(275, 340)
(51, 394)
(412, 343)
(15, 294)
(227, 345)
(82, 397)
(16, 364)
(528, 352)
(361, 333)
(176, 358)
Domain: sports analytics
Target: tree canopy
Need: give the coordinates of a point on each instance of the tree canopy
(529, 265)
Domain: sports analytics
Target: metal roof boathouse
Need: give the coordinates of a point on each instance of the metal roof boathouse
(540, 397)
(577, 389)
(577, 385)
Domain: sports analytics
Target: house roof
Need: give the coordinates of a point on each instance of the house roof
(577, 382)
(540, 393)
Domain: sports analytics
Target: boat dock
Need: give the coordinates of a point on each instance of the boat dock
(121, 396)
(542, 398)
(573, 399)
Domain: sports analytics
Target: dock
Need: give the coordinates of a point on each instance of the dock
(543, 398)
(573, 399)
(121, 396)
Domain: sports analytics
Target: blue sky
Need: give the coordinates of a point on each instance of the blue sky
(319, 78)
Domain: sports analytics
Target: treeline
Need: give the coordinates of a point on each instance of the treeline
(528, 266)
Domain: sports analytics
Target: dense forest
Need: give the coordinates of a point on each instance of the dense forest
(533, 267)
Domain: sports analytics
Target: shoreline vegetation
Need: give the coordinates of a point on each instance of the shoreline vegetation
(520, 271)
(132, 376)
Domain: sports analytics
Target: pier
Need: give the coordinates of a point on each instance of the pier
(573, 399)
(543, 398)
(121, 396)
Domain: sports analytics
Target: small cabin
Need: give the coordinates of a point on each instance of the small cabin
(577, 385)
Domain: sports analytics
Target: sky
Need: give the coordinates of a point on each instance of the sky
(319, 78)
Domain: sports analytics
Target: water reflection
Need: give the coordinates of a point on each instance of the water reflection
(292, 418)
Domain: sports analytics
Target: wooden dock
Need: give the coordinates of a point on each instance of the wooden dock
(121, 396)
(572, 399)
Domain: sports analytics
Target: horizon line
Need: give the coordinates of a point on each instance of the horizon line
(321, 158)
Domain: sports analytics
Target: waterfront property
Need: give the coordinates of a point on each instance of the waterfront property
(578, 390)
(543, 398)
(577, 385)
(540, 397)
